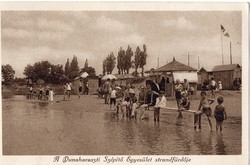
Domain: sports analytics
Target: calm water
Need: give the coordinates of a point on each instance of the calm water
(88, 127)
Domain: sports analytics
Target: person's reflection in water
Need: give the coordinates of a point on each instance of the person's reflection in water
(203, 141)
(220, 146)
(150, 137)
(184, 139)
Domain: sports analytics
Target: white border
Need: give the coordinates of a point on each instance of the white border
(147, 6)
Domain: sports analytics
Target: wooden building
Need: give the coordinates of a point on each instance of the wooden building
(93, 82)
(227, 74)
(173, 71)
(203, 75)
(122, 79)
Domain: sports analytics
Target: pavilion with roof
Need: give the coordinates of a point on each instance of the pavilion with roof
(173, 71)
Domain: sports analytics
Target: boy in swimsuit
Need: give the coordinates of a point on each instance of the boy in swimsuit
(204, 107)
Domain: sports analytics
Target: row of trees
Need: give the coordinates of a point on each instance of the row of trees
(55, 74)
(125, 61)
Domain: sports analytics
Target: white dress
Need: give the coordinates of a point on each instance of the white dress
(51, 95)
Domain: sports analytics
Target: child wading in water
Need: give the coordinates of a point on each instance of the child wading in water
(160, 102)
(185, 104)
(113, 97)
(204, 107)
(220, 113)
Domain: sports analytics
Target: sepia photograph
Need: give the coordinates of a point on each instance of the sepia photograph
(108, 84)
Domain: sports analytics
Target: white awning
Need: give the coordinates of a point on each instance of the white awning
(190, 76)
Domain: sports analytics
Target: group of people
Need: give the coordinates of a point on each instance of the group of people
(213, 86)
(127, 104)
(42, 93)
(183, 103)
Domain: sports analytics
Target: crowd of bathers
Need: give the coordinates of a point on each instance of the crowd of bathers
(127, 101)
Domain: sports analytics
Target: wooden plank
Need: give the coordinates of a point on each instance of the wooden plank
(176, 109)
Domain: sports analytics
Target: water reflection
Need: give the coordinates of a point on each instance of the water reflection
(220, 146)
(184, 139)
(46, 128)
(203, 140)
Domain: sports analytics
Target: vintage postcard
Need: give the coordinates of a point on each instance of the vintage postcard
(124, 83)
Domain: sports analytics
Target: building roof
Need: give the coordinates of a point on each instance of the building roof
(175, 66)
(225, 67)
(202, 69)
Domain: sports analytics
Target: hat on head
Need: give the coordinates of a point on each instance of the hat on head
(131, 91)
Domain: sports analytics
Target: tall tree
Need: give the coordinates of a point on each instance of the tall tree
(56, 73)
(104, 66)
(86, 65)
(128, 59)
(120, 61)
(8, 73)
(74, 68)
(29, 72)
(143, 59)
(110, 65)
(67, 68)
(137, 59)
(42, 70)
(90, 70)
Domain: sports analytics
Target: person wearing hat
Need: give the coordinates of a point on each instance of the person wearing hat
(220, 113)
(160, 102)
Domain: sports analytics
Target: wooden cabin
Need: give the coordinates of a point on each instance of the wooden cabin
(173, 71)
(227, 74)
(93, 82)
(203, 75)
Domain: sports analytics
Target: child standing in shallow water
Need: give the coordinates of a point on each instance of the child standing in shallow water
(113, 97)
(220, 113)
(204, 107)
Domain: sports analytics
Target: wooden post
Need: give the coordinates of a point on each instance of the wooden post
(231, 61)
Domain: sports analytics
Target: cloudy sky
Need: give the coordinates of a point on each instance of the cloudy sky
(29, 37)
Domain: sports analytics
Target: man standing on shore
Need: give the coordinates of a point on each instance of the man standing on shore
(68, 89)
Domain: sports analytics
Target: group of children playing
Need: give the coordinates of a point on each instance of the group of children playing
(204, 107)
(128, 105)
